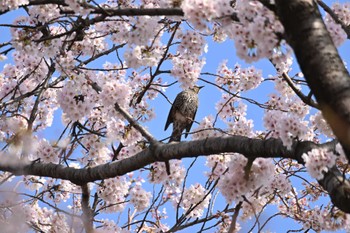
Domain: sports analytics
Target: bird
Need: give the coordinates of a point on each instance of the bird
(182, 114)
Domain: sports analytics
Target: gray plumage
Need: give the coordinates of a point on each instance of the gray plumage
(183, 112)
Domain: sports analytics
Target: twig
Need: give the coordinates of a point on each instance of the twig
(304, 98)
(134, 123)
(159, 64)
(38, 98)
(234, 218)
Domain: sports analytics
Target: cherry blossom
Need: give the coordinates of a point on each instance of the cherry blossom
(237, 182)
(199, 12)
(187, 71)
(195, 196)
(109, 226)
(44, 13)
(337, 33)
(76, 102)
(238, 79)
(66, 64)
(318, 161)
(140, 198)
(10, 5)
(113, 193)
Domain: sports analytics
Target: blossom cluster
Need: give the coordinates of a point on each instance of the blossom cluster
(75, 99)
(46, 152)
(77, 6)
(146, 26)
(255, 205)
(205, 129)
(281, 184)
(187, 62)
(115, 91)
(12, 4)
(239, 79)
(113, 192)
(158, 174)
(46, 219)
(319, 123)
(316, 218)
(282, 87)
(138, 56)
(319, 161)
(44, 13)
(109, 226)
(284, 119)
(186, 70)
(95, 151)
(63, 190)
(195, 200)
(119, 29)
(140, 198)
(227, 109)
(282, 60)
(233, 113)
(23, 39)
(342, 11)
(93, 43)
(199, 12)
(218, 165)
(255, 34)
(239, 181)
(226, 223)
(192, 43)
(129, 151)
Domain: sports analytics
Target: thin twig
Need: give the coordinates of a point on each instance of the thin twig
(304, 98)
(234, 218)
(134, 123)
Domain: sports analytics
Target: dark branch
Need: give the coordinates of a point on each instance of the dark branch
(320, 63)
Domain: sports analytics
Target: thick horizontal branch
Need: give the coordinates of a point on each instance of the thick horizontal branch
(140, 11)
(339, 191)
(251, 148)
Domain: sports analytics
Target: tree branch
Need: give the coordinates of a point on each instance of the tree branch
(134, 123)
(307, 100)
(233, 224)
(339, 190)
(320, 62)
(251, 148)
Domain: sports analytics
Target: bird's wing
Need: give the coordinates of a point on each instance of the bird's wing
(170, 118)
(190, 124)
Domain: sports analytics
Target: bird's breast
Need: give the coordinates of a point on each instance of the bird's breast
(180, 118)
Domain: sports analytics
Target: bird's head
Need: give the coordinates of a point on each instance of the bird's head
(196, 88)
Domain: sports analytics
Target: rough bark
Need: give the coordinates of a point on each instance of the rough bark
(337, 187)
(251, 148)
(320, 62)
